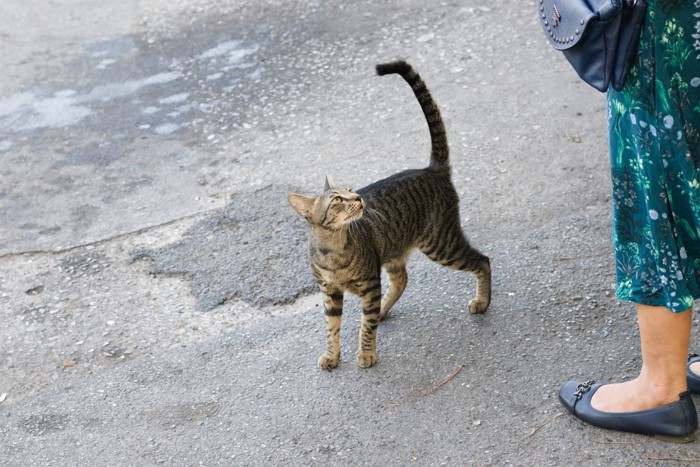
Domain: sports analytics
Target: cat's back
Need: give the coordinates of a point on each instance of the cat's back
(417, 188)
(401, 209)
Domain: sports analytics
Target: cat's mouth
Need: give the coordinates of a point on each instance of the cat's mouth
(357, 210)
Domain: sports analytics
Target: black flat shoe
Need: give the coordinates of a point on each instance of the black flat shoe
(693, 379)
(675, 422)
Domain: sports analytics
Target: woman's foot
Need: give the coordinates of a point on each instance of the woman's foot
(693, 373)
(633, 396)
(676, 421)
(695, 368)
(655, 403)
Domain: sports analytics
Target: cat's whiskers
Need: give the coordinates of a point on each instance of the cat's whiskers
(353, 228)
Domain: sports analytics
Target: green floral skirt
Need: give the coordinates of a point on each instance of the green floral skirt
(654, 128)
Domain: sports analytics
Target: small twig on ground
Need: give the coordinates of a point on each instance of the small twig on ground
(449, 378)
(538, 428)
(430, 391)
(615, 442)
(675, 459)
(571, 258)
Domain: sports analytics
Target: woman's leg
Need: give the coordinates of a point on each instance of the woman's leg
(665, 337)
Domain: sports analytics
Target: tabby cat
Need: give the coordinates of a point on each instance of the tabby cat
(354, 234)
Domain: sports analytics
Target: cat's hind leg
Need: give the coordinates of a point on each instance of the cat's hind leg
(481, 268)
(398, 278)
(452, 249)
(333, 309)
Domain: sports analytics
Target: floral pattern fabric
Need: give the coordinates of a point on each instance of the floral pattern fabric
(654, 129)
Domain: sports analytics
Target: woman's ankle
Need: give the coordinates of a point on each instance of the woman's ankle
(662, 389)
(634, 395)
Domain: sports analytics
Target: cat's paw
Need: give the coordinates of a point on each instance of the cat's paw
(366, 360)
(327, 362)
(478, 306)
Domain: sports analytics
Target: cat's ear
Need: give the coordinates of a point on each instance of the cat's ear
(330, 184)
(303, 205)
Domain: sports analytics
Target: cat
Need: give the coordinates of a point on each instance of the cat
(355, 234)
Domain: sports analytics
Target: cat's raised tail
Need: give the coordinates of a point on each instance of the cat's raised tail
(440, 152)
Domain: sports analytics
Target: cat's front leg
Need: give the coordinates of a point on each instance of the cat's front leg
(333, 309)
(371, 295)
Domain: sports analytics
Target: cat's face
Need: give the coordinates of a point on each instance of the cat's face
(332, 210)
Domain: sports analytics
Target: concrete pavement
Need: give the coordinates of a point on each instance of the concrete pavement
(156, 303)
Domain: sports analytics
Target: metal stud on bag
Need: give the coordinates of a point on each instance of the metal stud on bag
(554, 21)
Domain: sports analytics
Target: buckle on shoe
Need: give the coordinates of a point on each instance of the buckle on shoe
(583, 388)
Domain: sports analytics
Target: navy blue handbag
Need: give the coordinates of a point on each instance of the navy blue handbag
(598, 37)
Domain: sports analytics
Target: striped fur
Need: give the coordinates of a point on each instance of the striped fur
(355, 234)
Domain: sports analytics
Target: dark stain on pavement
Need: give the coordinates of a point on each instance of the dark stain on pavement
(253, 249)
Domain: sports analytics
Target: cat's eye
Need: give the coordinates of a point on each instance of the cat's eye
(337, 200)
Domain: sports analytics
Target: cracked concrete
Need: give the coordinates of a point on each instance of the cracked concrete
(248, 250)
